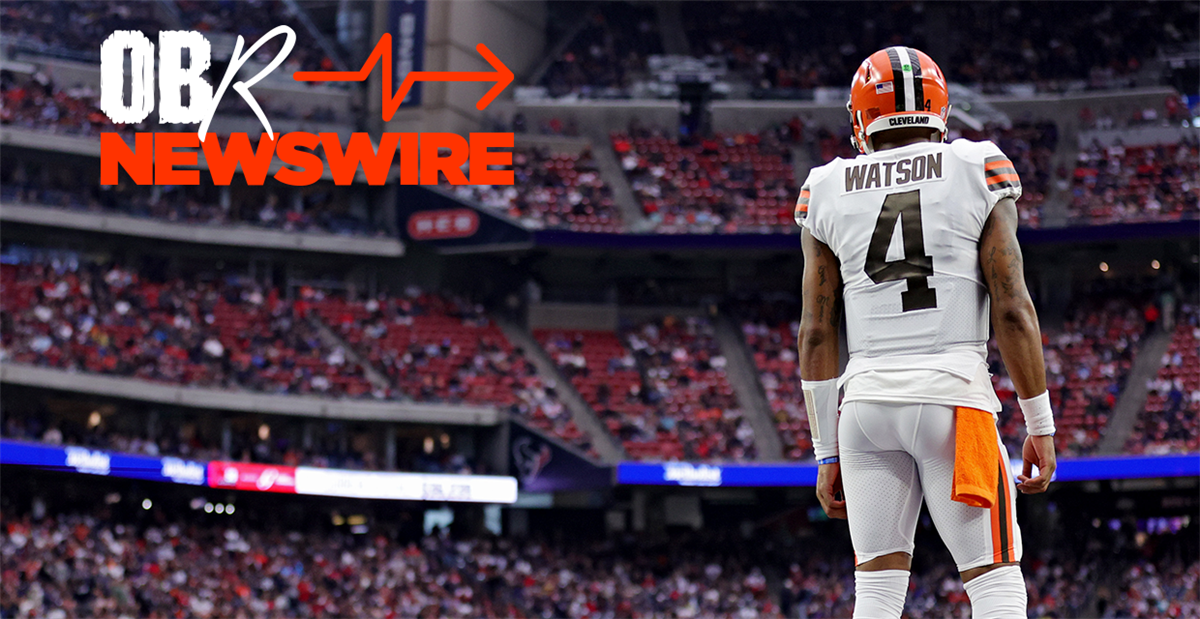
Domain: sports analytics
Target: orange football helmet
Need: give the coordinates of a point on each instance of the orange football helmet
(894, 88)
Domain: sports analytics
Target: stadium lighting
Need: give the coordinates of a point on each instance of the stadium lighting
(264, 432)
(1104, 267)
(219, 508)
(208, 508)
(229, 508)
(94, 419)
(147, 504)
(1154, 264)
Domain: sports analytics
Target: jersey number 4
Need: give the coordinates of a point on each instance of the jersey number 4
(903, 209)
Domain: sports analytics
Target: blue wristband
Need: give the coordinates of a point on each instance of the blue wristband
(833, 460)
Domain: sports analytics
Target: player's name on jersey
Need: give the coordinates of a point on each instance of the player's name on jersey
(886, 174)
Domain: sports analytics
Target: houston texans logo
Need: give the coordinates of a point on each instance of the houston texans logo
(530, 458)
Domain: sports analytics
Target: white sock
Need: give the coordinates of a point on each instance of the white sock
(998, 594)
(880, 595)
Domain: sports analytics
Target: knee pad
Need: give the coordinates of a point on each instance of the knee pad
(998, 594)
(880, 594)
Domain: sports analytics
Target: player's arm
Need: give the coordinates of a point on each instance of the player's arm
(822, 310)
(1019, 336)
(818, 342)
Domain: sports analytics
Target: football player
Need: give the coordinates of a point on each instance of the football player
(914, 241)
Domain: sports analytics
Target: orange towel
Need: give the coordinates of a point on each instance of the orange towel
(976, 477)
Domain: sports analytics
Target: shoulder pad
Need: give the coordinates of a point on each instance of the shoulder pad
(974, 152)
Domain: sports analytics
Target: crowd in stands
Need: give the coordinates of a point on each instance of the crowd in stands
(438, 348)
(772, 46)
(1170, 422)
(724, 183)
(1162, 590)
(1056, 47)
(659, 386)
(550, 190)
(38, 104)
(252, 20)
(769, 329)
(318, 208)
(604, 373)
(73, 29)
(1087, 362)
(225, 333)
(693, 412)
(1119, 184)
(186, 440)
(230, 333)
(76, 29)
(606, 52)
(95, 564)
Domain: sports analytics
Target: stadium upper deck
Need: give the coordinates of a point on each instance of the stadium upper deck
(773, 50)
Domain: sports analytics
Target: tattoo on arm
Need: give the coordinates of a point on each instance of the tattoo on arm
(1003, 265)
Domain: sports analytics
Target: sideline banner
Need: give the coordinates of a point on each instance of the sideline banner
(99, 462)
(715, 475)
(405, 486)
(434, 218)
(805, 474)
(251, 476)
(542, 466)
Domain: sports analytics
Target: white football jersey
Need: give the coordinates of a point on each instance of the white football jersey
(905, 225)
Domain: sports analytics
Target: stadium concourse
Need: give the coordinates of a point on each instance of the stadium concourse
(238, 400)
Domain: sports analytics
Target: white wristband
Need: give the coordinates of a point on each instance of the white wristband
(821, 401)
(1039, 419)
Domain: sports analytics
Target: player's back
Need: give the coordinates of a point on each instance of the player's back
(905, 224)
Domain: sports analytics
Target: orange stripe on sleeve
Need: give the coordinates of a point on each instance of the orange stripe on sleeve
(999, 178)
(1003, 163)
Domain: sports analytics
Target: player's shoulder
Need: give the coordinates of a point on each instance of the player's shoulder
(821, 173)
(812, 186)
(980, 152)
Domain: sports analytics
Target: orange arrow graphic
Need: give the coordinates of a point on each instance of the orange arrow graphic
(383, 54)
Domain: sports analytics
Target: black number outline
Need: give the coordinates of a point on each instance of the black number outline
(916, 266)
